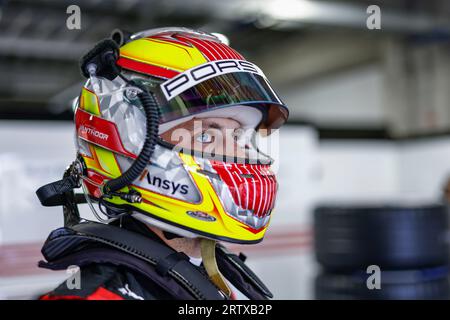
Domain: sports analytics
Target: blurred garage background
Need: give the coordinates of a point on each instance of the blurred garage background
(369, 123)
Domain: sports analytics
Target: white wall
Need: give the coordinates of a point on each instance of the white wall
(424, 167)
(298, 176)
(348, 98)
(371, 171)
(358, 171)
(31, 155)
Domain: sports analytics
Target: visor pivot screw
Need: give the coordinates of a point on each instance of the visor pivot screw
(131, 94)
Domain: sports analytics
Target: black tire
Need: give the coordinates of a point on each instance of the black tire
(390, 237)
(427, 284)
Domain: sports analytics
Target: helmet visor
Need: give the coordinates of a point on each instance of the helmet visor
(238, 88)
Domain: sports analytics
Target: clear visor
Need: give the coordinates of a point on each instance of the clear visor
(216, 137)
(239, 88)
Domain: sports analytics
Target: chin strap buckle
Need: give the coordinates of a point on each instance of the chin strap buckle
(54, 193)
(208, 251)
(60, 193)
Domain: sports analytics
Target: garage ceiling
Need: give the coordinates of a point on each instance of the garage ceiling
(38, 54)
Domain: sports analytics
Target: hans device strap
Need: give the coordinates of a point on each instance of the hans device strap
(240, 275)
(170, 269)
(166, 261)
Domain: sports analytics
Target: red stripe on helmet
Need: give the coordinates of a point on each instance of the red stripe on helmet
(258, 192)
(230, 53)
(231, 179)
(266, 187)
(250, 187)
(170, 38)
(212, 50)
(217, 48)
(236, 181)
(146, 68)
(206, 51)
(207, 44)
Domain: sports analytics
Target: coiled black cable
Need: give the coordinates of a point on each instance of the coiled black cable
(152, 115)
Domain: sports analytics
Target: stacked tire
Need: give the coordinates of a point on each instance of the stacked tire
(408, 245)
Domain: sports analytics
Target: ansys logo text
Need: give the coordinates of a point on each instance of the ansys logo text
(165, 184)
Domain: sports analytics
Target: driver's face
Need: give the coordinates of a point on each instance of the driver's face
(217, 135)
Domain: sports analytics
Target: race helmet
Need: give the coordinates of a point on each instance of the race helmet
(190, 75)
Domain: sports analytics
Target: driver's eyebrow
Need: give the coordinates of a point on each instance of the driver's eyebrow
(212, 124)
(217, 125)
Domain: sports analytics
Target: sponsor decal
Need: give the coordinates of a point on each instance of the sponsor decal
(165, 184)
(190, 78)
(93, 132)
(87, 126)
(201, 216)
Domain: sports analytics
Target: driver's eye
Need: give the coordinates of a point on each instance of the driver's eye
(204, 137)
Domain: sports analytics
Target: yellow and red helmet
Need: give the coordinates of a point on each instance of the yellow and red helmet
(192, 74)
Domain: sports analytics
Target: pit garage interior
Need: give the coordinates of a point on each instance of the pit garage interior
(363, 161)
